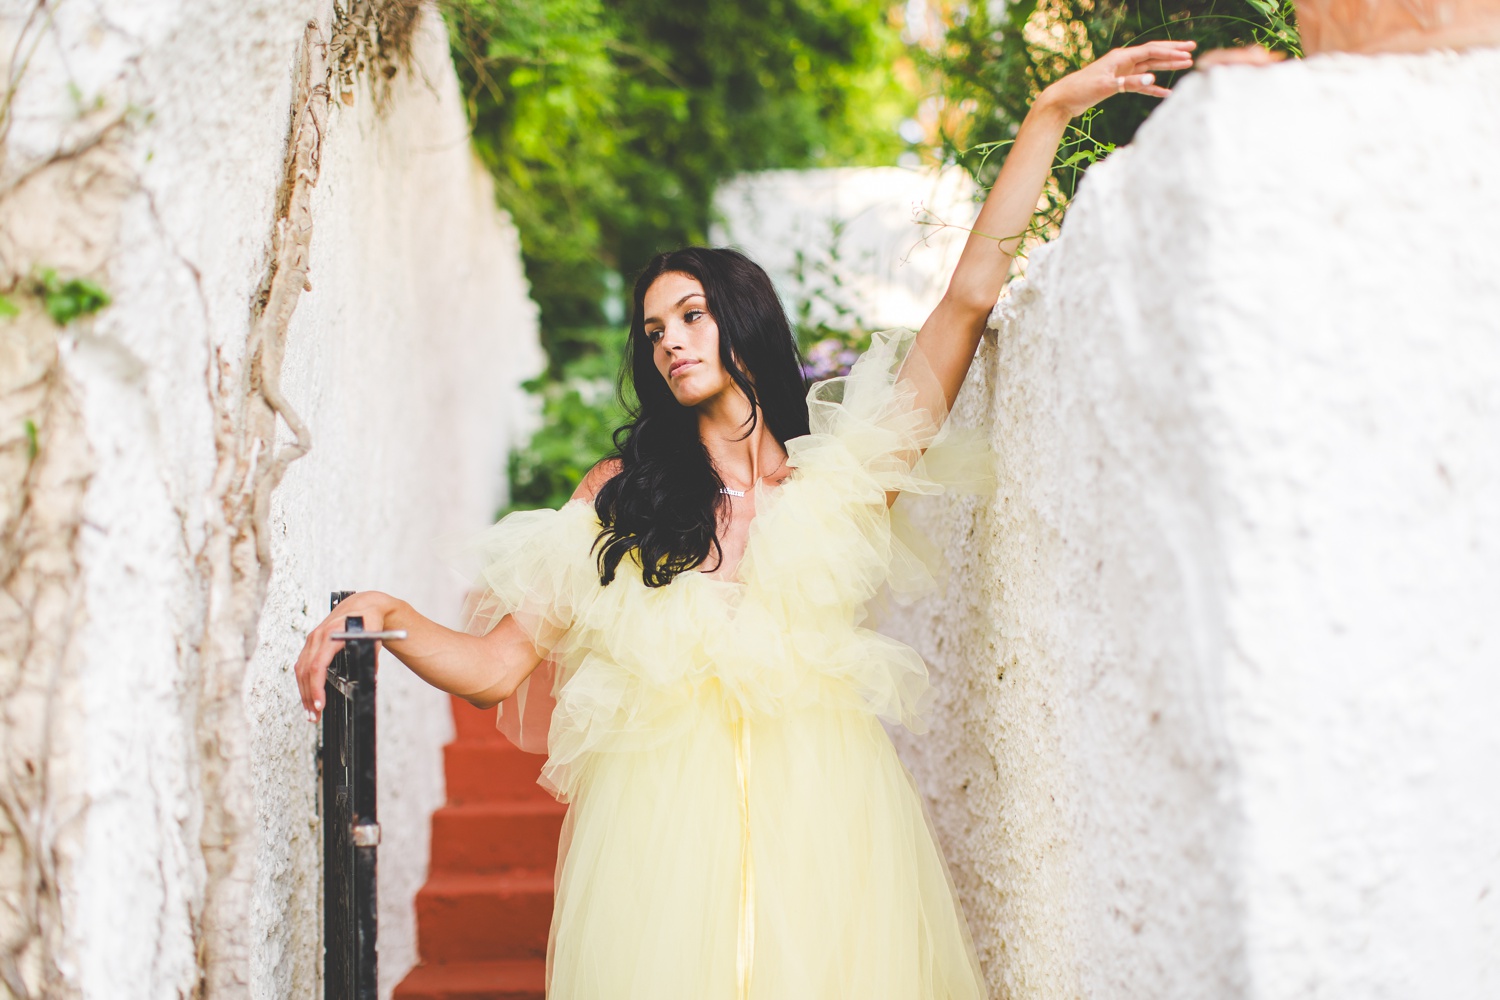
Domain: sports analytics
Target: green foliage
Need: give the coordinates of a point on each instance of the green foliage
(607, 125)
(67, 300)
(7, 307)
(1279, 28)
(994, 60)
(31, 441)
(580, 410)
(540, 84)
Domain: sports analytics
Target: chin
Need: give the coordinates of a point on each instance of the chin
(692, 391)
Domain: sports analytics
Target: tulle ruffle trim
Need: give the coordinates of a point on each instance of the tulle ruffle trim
(630, 665)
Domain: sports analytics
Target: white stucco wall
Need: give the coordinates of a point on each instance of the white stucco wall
(1216, 666)
(404, 359)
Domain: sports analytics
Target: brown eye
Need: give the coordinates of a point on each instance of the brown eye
(653, 335)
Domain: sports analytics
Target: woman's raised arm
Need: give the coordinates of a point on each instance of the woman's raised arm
(949, 338)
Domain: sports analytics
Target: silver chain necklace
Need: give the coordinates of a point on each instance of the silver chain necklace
(741, 493)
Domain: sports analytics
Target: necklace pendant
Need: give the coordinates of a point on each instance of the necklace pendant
(733, 493)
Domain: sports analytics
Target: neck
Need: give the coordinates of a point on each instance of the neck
(740, 459)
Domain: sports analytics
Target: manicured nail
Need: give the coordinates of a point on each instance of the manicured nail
(318, 705)
(310, 716)
(1148, 79)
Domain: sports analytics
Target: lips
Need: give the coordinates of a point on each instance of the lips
(679, 365)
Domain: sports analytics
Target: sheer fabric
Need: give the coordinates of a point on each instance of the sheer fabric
(740, 824)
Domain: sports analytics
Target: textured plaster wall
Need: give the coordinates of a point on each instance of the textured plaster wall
(1216, 666)
(148, 151)
(406, 360)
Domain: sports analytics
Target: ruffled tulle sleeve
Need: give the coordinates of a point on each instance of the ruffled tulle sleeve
(887, 418)
(886, 415)
(536, 567)
(879, 430)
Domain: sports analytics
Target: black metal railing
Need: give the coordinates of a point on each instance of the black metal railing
(351, 834)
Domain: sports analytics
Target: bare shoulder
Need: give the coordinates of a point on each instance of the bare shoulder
(595, 478)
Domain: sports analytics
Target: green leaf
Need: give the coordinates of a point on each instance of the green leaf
(68, 300)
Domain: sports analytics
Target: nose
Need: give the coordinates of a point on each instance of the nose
(672, 336)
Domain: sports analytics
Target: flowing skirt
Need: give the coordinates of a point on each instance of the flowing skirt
(784, 858)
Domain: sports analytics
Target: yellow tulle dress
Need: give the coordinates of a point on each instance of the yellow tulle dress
(740, 827)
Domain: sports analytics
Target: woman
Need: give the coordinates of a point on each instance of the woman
(740, 825)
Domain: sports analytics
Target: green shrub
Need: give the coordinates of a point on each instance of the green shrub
(608, 126)
(580, 409)
(995, 59)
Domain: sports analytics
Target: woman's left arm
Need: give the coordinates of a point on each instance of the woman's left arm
(949, 338)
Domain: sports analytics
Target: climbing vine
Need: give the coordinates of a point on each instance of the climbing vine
(58, 213)
(44, 472)
(991, 60)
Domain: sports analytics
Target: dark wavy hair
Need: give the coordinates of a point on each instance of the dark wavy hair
(665, 501)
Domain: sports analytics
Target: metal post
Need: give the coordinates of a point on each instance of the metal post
(351, 831)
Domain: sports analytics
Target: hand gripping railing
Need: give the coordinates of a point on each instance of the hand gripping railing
(351, 833)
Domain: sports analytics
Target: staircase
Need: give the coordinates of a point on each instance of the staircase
(482, 917)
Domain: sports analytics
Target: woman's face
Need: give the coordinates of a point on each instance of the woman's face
(685, 339)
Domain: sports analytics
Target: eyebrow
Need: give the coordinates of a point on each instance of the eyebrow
(652, 319)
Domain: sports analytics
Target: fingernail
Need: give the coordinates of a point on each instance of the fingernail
(1148, 79)
(310, 716)
(318, 705)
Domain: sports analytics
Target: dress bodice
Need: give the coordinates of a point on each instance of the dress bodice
(625, 658)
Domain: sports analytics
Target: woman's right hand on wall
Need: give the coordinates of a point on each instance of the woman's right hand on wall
(320, 648)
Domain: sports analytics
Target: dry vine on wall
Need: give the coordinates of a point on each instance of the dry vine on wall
(368, 41)
(60, 214)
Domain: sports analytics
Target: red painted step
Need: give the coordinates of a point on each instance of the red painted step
(475, 981)
(497, 837)
(488, 772)
(474, 918)
(477, 725)
(483, 916)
